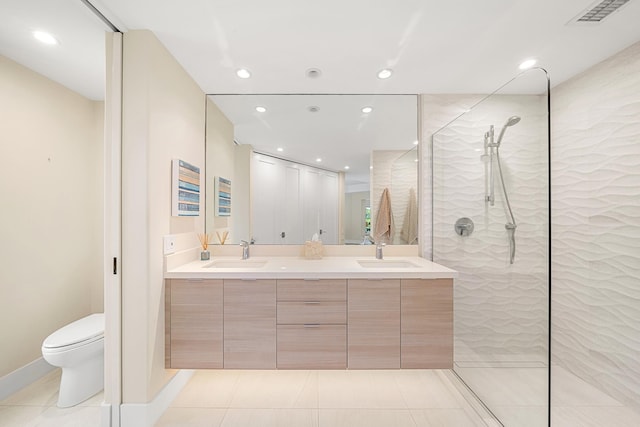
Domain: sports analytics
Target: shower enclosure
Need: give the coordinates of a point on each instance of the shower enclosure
(490, 167)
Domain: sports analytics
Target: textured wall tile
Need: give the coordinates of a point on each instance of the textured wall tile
(596, 226)
(501, 310)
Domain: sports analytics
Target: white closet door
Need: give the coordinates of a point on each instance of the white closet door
(265, 183)
(290, 213)
(311, 201)
(328, 208)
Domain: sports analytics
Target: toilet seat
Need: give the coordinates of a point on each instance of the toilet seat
(77, 334)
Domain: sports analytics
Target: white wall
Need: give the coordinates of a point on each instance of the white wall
(51, 218)
(596, 226)
(220, 162)
(163, 118)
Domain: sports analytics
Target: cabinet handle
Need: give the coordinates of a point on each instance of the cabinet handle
(311, 325)
(312, 302)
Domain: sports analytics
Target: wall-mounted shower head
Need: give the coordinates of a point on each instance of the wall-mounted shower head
(513, 120)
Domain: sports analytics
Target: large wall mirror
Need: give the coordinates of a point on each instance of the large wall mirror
(281, 169)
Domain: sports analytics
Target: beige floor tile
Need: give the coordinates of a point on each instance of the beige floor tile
(191, 417)
(79, 416)
(608, 416)
(359, 389)
(423, 389)
(271, 418)
(522, 416)
(208, 389)
(366, 418)
(18, 416)
(276, 389)
(569, 390)
(507, 386)
(43, 392)
(451, 417)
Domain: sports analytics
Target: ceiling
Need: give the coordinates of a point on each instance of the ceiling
(457, 46)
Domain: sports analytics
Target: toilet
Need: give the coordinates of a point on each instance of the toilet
(78, 348)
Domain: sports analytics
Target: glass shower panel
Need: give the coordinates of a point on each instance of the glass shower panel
(490, 176)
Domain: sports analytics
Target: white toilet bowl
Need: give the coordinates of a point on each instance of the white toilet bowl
(78, 349)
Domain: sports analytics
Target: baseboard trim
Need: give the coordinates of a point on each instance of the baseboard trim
(23, 376)
(146, 414)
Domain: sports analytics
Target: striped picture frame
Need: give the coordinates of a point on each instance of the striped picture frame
(185, 189)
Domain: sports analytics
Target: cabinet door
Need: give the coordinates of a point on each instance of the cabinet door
(312, 346)
(374, 324)
(250, 324)
(427, 323)
(195, 323)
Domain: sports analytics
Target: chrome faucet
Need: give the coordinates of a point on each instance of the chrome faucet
(245, 249)
(379, 247)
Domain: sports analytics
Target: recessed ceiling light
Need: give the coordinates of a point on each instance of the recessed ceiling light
(313, 73)
(367, 109)
(45, 38)
(280, 149)
(318, 160)
(370, 167)
(415, 142)
(525, 65)
(385, 73)
(415, 160)
(260, 109)
(243, 73)
(346, 167)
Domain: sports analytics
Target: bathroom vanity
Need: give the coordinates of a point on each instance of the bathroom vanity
(292, 313)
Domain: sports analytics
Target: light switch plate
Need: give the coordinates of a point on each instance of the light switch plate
(169, 243)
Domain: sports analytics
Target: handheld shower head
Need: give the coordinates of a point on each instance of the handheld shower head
(511, 121)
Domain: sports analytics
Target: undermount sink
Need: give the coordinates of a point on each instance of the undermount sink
(236, 264)
(381, 263)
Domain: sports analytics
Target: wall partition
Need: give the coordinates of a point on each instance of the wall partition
(491, 223)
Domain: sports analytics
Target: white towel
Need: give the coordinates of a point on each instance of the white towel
(409, 232)
(384, 227)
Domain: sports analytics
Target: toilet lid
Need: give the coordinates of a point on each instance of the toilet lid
(81, 330)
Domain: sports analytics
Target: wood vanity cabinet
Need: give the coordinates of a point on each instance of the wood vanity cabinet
(309, 324)
(311, 330)
(193, 315)
(374, 324)
(427, 323)
(250, 324)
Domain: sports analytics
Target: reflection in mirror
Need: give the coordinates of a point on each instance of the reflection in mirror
(311, 165)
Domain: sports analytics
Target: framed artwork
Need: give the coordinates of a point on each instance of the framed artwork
(185, 191)
(222, 188)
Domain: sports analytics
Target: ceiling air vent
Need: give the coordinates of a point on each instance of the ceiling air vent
(598, 11)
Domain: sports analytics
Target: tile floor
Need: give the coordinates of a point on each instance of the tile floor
(518, 397)
(338, 398)
(35, 406)
(415, 398)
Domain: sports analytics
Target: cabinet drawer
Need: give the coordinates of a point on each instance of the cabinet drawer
(320, 312)
(312, 346)
(312, 290)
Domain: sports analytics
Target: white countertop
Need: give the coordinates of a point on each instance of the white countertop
(340, 267)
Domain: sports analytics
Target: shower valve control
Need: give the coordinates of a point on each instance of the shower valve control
(464, 227)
